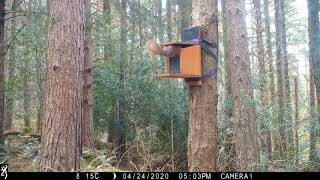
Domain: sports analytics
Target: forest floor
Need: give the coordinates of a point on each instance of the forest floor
(22, 154)
(22, 150)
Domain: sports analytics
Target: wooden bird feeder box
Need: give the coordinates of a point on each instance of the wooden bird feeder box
(187, 64)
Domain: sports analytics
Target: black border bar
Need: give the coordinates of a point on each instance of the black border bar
(160, 175)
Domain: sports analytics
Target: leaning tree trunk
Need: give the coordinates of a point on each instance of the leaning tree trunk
(61, 145)
(203, 137)
(314, 46)
(2, 54)
(243, 116)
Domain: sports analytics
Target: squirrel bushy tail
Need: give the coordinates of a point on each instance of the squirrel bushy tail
(169, 51)
(155, 48)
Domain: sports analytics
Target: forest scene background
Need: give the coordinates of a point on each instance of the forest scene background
(141, 122)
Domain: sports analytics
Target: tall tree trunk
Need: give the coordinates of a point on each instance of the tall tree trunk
(2, 54)
(122, 120)
(154, 26)
(25, 79)
(26, 94)
(107, 56)
(141, 40)
(40, 108)
(107, 12)
(203, 136)
(41, 76)
(265, 131)
(296, 123)
(313, 153)
(169, 35)
(314, 49)
(243, 116)
(12, 62)
(280, 145)
(87, 121)
(133, 15)
(41, 79)
(176, 22)
(169, 19)
(269, 58)
(184, 14)
(227, 85)
(286, 90)
(61, 144)
(226, 51)
(159, 20)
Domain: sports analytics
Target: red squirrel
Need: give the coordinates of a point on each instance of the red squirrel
(155, 48)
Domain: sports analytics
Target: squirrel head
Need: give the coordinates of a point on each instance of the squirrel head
(171, 50)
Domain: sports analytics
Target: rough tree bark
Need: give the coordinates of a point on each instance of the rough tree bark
(87, 122)
(12, 62)
(61, 142)
(269, 58)
(243, 116)
(202, 140)
(226, 51)
(227, 85)
(314, 48)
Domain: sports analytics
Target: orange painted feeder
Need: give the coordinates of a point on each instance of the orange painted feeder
(188, 64)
